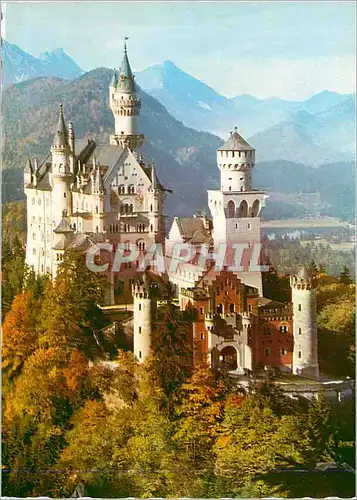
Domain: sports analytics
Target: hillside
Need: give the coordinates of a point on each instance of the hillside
(18, 65)
(323, 137)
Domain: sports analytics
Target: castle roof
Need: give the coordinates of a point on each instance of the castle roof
(63, 226)
(126, 78)
(61, 136)
(192, 229)
(236, 143)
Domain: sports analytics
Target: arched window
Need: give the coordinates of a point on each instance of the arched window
(231, 308)
(255, 208)
(219, 309)
(243, 209)
(74, 227)
(131, 208)
(231, 209)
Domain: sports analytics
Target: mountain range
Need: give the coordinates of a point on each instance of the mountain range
(318, 133)
(318, 130)
(18, 65)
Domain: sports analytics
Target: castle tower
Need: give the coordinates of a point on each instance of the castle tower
(125, 105)
(155, 209)
(305, 360)
(61, 177)
(236, 207)
(143, 309)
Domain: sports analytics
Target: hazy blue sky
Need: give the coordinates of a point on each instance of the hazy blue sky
(286, 49)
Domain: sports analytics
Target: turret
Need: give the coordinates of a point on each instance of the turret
(236, 158)
(305, 359)
(61, 176)
(125, 105)
(143, 310)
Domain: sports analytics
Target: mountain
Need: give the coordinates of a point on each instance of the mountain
(19, 66)
(185, 158)
(188, 99)
(199, 106)
(312, 139)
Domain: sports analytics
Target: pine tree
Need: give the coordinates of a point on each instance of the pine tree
(345, 276)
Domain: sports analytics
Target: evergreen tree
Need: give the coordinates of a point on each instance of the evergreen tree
(345, 276)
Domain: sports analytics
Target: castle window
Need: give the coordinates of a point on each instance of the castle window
(201, 310)
(96, 229)
(249, 308)
(150, 208)
(299, 354)
(299, 307)
(151, 227)
(139, 307)
(230, 188)
(283, 329)
(74, 227)
(283, 351)
(299, 331)
(267, 330)
(267, 351)
(139, 351)
(249, 226)
(219, 309)
(231, 308)
(202, 336)
(65, 195)
(240, 152)
(139, 329)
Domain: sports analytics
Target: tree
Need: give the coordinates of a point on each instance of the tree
(19, 338)
(321, 431)
(172, 351)
(70, 313)
(253, 440)
(199, 413)
(345, 276)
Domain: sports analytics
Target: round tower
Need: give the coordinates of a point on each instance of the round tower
(61, 172)
(236, 160)
(305, 360)
(143, 309)
(125, 105)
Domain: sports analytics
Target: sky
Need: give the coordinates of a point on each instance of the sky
(291, 50)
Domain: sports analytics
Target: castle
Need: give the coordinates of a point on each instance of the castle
(85, 193)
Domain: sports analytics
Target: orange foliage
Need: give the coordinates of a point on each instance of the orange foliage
(75, 371)
(19, 336)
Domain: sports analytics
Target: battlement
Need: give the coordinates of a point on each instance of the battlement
(301, 283)
(140, 291)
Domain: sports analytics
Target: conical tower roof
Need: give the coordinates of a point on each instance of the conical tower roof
(126, 78)
(236, 143)
(114, 80)
(61, 136)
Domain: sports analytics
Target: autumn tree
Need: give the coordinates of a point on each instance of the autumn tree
(199, 413)
(253, 440)
(70, 313)
(19, 334)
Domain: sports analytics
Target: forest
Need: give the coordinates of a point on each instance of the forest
(77, 415)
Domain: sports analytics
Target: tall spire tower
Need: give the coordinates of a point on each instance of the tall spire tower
(125, 105)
